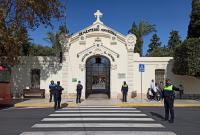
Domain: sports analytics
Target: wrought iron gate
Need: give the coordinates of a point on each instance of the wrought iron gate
(97, 75)
(160, 77)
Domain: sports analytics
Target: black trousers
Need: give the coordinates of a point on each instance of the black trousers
(57, 101)
(124, 94)
(51, 96)
(180, 93)
(78, 97)
(169, 107)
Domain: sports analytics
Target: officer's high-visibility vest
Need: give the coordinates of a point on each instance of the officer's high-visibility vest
(125, 85)
(168, 88)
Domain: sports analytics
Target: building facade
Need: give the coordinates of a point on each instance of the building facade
(102, 59)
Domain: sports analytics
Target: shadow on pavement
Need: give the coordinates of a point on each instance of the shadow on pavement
(13, 102)
(157, 115)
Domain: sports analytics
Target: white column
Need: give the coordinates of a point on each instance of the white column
(65, 71)
(130, 73)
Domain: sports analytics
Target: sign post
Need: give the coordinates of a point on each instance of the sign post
(141, 69)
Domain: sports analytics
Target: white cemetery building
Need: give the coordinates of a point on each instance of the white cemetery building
(101, 58)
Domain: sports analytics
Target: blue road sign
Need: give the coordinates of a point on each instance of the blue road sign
(141, 67)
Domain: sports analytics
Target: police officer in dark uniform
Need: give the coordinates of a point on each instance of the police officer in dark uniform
(124, 90)
(79, 88)
(169, 95)
(57, 95)
(52, 87)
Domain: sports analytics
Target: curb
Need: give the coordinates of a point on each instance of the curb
(156, 105)
(119, 105)
(19, 105)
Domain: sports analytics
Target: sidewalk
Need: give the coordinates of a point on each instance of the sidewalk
(136, 102)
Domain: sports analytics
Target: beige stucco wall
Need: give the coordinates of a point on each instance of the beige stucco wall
(77, 67)
(21, 74)
(50, 69)
(190, 84)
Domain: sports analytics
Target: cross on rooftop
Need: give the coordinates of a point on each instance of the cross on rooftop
(98, 14)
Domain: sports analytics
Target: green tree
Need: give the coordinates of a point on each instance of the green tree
(155, 49)
(194, 25)
(155, 44)
(174, 40)
(53, 38)
(39, 50)
(141, 30)
(16, 16)
(26, 44)
(187, 58)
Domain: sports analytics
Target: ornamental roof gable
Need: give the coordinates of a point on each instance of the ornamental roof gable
(98, 27)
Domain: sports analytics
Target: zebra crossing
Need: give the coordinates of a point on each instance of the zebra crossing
(98, 120)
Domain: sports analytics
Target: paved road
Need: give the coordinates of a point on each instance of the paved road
(187, 120)
(98, 121)
(14, 121)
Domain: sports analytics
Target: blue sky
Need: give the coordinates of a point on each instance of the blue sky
(167, 15)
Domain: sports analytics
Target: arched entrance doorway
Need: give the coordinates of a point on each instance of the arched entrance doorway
(97, 75)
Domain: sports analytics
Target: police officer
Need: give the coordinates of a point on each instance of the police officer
(124, 90)
(57, 95)
(169, 95)
(52, 87)
(79, 88)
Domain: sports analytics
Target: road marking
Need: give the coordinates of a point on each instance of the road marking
(100, 114)
(98, 108)
(110, 125)
(99, 133)
(97, 119)
(91, 111)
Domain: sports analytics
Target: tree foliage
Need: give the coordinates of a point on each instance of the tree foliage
(39, 50)
(154, 45)
(54, 39)
(141, 30)
(155, 48)
(194, 25)
(26, 44)
(174, 40)
(187, 58)
(16, 17)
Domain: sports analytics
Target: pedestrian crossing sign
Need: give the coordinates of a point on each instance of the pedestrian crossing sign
(141, 67)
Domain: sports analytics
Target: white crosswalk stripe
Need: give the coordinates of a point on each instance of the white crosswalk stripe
(96, 108)
(100, 133)
(97, 125)
(94, 120)
(91, 111)
(98, 119)
(98, 114)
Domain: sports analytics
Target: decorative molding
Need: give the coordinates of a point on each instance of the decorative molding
(98, 49)
(113, 66)
(130, 42)
(64, 41)
(82, 67)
